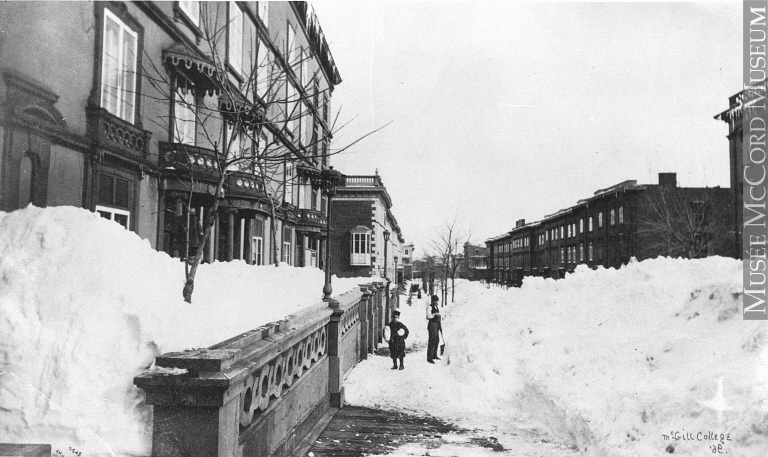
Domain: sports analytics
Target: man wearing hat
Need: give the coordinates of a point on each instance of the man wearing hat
(398, 332)
(434, 327)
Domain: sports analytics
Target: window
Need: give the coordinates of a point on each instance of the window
(290, 106)
(600, 219)
(613, 216)
(287, 236)
(257, 245)
(304, 70)
(192, 9)
(120, 216)
(114, 198)
(562, 255)
(590, 223)
(591, 252)
(290, 46)
(118, 68)
(235, 38)
(562, 232)
(264, 13)
(569, 230)
(361, 249)
(184, 120)
(621, 214)
(265, 64)
(581, 252)
(581, 225)
(288, 184)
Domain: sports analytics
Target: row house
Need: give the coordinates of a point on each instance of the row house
(363, 224)
(611, 227)
(136, 111)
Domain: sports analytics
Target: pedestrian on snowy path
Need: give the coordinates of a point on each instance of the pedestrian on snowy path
(398, 333)
(434, 327)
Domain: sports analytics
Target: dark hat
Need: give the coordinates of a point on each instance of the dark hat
(395, 313)
(435, 298)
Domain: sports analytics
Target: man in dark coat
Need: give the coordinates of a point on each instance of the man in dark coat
(434, 327)
(398, 332)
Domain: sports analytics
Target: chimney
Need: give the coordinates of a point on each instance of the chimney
(668, 179)
(520, 223)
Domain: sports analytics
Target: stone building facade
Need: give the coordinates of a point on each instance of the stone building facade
(121, 108)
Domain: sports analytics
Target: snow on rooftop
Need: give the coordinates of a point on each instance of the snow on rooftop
(88, 305)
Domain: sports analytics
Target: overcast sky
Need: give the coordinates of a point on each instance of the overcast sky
(503, 111)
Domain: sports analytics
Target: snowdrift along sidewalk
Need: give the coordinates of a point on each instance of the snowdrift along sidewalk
(605, 361)
(87, 305)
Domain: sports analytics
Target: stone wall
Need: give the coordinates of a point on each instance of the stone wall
(260, 393)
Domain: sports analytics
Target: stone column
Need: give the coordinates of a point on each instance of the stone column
(365, 304)
(230, 235)
(335, 368)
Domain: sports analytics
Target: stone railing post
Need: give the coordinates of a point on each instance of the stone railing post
(365, 304)
(371, 324)
(335, 369)
(195, 416)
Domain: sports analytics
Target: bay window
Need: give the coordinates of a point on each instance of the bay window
(360, 250)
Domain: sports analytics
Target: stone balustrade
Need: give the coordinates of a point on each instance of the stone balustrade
(260, 393)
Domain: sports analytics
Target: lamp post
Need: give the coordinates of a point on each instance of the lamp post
(397, 284)
(386, 276)
(327, 181)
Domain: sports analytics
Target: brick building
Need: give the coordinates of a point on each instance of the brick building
(121, 107)
(615, 224)
(361, 214)
(733, 116)
(475, 262)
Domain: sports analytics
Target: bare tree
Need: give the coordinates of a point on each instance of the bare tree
(680, 222)
(448, 245)
(244, 117)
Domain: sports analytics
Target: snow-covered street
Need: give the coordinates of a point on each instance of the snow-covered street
(607, 362)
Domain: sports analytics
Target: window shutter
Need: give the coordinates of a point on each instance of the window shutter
(121, 193)
(106, 189)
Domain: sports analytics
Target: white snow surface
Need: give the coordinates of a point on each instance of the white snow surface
(603, 362)
(87, 305)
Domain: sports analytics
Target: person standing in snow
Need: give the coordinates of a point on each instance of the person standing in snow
(398, 333)
(434, 327)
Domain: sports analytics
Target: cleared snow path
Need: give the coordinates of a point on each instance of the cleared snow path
(427, 390)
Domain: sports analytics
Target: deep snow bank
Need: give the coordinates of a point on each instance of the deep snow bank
(87, 305)
(605, 361)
